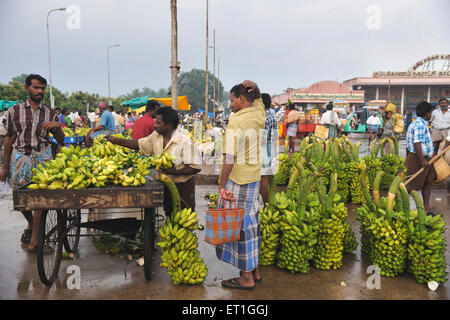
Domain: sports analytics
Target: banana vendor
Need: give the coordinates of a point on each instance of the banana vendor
(28, 144)
(187, 159)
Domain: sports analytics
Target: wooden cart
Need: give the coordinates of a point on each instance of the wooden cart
(61, 218)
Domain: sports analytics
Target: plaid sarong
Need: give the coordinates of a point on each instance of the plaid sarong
(244, 253)
(20, 172)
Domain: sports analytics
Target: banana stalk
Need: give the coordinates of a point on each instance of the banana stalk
(175, 195)
(405, 200)
(420, 210)
(365, 190)
(376, 190)
(391, 198)
(292, 182)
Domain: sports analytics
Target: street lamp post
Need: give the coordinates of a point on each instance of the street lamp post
(52, 102)
(109, 81)
(218, 72)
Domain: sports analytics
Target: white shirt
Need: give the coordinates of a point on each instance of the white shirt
(116, 120)
(91, 116)
(439, 120)
(374, 120)
(326, 118)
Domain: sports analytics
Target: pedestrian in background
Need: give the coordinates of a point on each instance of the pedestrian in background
(419, 151)
(145, 125)
(373, 126)
(292, 117)
(440, 121)
(331, 120)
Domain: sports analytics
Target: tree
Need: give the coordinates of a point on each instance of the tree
(192, 85)
(21, 79)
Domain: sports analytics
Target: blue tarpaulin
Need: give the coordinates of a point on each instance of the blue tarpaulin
(210, 114)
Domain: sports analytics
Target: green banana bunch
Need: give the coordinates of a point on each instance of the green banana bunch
(269, 219)
(179, 245)
(426, 246)
(284, 167)
(349, 241)
(297, 241)
(110, 244)
(329, 248)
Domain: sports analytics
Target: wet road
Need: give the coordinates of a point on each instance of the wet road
(109, 277)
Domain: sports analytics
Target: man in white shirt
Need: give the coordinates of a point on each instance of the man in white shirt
(331, 120)
(91, 116)
(373, 126)
(440, 121)
(116, 119)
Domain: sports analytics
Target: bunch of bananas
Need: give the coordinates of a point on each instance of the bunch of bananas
(349, 241)
(329, 248)
(68, 132)
(354, 169)
(426, 246)
(391, 164)
(212, 198)
(374, 165)
(64, 172)
(284, 167)
(365, 216)
(163, 160)
(111, 244)
(270, 218)
(179, 243)
(297, 241)
(388, 250)
(82, 131)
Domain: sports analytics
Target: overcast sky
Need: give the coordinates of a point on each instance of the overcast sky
(277, 43)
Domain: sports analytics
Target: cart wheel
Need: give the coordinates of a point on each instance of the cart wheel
(49, 248)
(149, 236)
(72, 230)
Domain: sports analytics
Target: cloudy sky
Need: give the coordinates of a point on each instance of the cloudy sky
(277, 43)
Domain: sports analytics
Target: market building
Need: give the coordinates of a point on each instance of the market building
(319, 94)
(428, 79)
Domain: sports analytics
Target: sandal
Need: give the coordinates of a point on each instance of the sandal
(26, 236)
(234, 284)
(256, 280)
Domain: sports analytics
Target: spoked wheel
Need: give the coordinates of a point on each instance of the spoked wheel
(49, 248)
(149, 236)
(72, 230)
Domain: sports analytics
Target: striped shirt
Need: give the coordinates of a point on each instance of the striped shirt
(24, 127)
(418, 131)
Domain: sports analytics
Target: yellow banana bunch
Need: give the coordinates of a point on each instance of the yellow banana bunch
(179, 245)
(163, 160)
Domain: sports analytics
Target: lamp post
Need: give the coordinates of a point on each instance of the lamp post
(52, 102)
(218, 73)
(109, 81)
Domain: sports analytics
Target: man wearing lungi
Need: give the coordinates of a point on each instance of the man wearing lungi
(28, 144)
(240, 180)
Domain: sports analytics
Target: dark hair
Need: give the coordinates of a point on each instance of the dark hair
(80, 112)
(111, 107)
(239, 90)
(64, 111)
(168, 115)
(151, 105)
(36, 77)
(58, 108)
(329, 106)
(443, 99)
(423, 108)
(267, 100)
(129, 113)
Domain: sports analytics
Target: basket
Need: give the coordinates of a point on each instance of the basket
(321, 132)
(442, 170)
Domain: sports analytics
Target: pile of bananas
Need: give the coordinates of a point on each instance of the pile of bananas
(102, 164)
(163, 160)
(391, 164)
(374, 165)
(269, 219)
(354, 170)
(82, 131)
(329, 248)
(426, 246)
(365, 216)
(113, 244)
(64, 172)
(68, 132)
(180, 255)
(297, 241)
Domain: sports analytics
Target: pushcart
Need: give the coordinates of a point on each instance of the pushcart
(60, 222)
